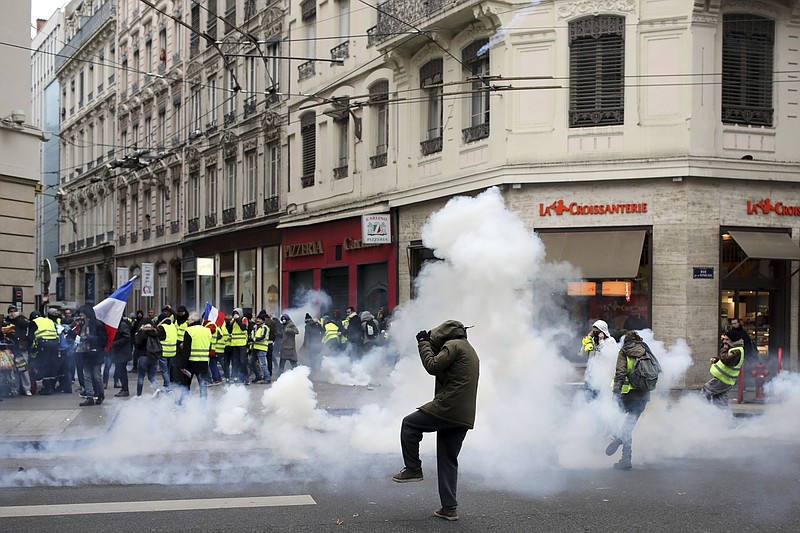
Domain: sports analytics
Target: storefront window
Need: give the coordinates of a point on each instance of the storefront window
(270, 279)
(247, 280)
(227, 282)
(207, 291)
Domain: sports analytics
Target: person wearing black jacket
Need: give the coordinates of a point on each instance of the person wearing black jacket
(147, 361)
(120, 355)
(92, 349)
(20, 346)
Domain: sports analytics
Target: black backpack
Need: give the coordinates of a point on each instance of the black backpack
(371, 329)
(644, 374)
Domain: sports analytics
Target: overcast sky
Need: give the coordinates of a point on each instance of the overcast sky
(42, 9)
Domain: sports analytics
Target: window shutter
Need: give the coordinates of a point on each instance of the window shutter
(747, 63)
(597, 71)
(308, 132)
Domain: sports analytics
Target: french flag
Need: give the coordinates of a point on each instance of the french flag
(110, 310)
(213, 315)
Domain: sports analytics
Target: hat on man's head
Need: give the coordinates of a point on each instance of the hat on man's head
(12, 308)
(262, 314)
(734, 335)
(52, 312)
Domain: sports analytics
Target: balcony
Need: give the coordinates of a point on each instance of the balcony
(747, 115)
(249, 106)
(99, 160)
(397, 17)
(90, 97)
(146, 234)
(174, 226)
(89, 242)
(110, 236)
(72, 247)
(431, 146)
(111, 80)
(81, 243)
(100, 239)
(341, 52)
(147, 78)
(176, 58)
(377, 161)
(475, 133)
(160, 230)
(307, 181)
(89, 165)
(340, 172)
(228, 215)
(211, 220)
(134, 236)
(176, 140)
(122, 240)
(271, 205)
(100, 88)
(230, 118)
(249, 210)
(123, 95)
(305, 70)
(194, 225)
(211, 127)
(134, 88)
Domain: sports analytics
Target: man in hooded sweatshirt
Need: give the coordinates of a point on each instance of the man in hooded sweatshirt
(94, 339)
(447, 355)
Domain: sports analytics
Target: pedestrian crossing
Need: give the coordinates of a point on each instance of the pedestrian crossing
(18, 511)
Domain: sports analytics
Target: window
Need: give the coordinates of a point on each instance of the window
(196, 111)
(194, 196)
(176, 32)
(251, 76)
(212, 100)
(597, 71)
(230, 106)
(211, 189)
(748, 43)
(379, 104)
(123, 217)
(211, 24)
(176, 120)
(271, 170)
(124, 140)
(431, 82)
(475, 59)
(135, 213)
(194, 37)
(340, 169)
(136, 69)
(229, 195)
(175, 197)
(308, 134)
(251, 164)
(124, 73)
(162, 207)
(148, 205)
(273, 51)
(148, 132)
(148, 55)
(135, 136)
(162, 45)
(162, 126)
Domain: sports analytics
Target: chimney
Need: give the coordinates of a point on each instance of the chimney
(40, 24)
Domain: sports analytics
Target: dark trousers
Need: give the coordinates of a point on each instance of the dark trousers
(121, 374)
(449, 437)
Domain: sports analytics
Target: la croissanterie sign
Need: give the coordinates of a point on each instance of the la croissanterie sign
(765, 207)
(559, 207)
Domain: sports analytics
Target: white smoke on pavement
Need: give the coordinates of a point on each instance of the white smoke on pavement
(529, 419)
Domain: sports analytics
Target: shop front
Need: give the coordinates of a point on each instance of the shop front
(238, 269)
(339, 259)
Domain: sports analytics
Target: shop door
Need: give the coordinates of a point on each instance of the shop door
(336, 284)
(300, 282)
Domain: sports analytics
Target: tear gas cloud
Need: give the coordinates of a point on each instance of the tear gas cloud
(529, 419)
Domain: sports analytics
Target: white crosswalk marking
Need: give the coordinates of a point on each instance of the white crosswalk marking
(151, 506)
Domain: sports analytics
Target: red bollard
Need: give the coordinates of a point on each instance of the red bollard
(760, 372)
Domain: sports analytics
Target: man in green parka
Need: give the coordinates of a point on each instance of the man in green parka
(447, 355)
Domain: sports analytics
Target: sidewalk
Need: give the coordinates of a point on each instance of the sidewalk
(37, 419)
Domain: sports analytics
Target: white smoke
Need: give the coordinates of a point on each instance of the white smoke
(493, 278)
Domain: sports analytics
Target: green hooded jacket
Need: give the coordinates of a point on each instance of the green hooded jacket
(450, 358)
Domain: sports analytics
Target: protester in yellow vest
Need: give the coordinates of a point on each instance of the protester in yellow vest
(221, 340)
(262, 356)
(43, 336)
(192, 361)
(168, 335)
(238, 347)
(725, 369)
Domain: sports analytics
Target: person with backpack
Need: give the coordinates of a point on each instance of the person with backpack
(370, 329)
(635, 376)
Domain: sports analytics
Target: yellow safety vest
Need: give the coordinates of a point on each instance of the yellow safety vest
(263, 344)
(201, 342)
(221, 340)
(331, 332)
(238, 335)
(45, 329)
(170, 344)
(181, 331)
(725, 373)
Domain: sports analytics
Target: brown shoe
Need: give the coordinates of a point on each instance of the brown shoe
(447, 513)
(408, 474)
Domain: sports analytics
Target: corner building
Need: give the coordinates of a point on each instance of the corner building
(649, 143)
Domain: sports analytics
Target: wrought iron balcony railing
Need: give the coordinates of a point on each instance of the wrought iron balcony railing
(194, 225)
(341, 51)
(249, 106)
(377, 161)
(249, 210)
(230, 118)
(211, 220)
(306, 70)
(307, 181)
(228, 215)
(146, 234)
(175, 226)
(340, 172)
(89, 242)
(431, 146)
(134, 237)
(271, 205)
(122, 240)
(475, 133)
(160, 230)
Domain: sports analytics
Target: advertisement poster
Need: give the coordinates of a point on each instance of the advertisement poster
(376, 229)
(148, 276)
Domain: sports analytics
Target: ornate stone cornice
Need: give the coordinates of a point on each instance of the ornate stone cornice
(595, 7)
(229, 143)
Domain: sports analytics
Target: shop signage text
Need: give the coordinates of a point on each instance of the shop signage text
(357, 244)
(766, 207)
(303, 249)
(559, 208)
